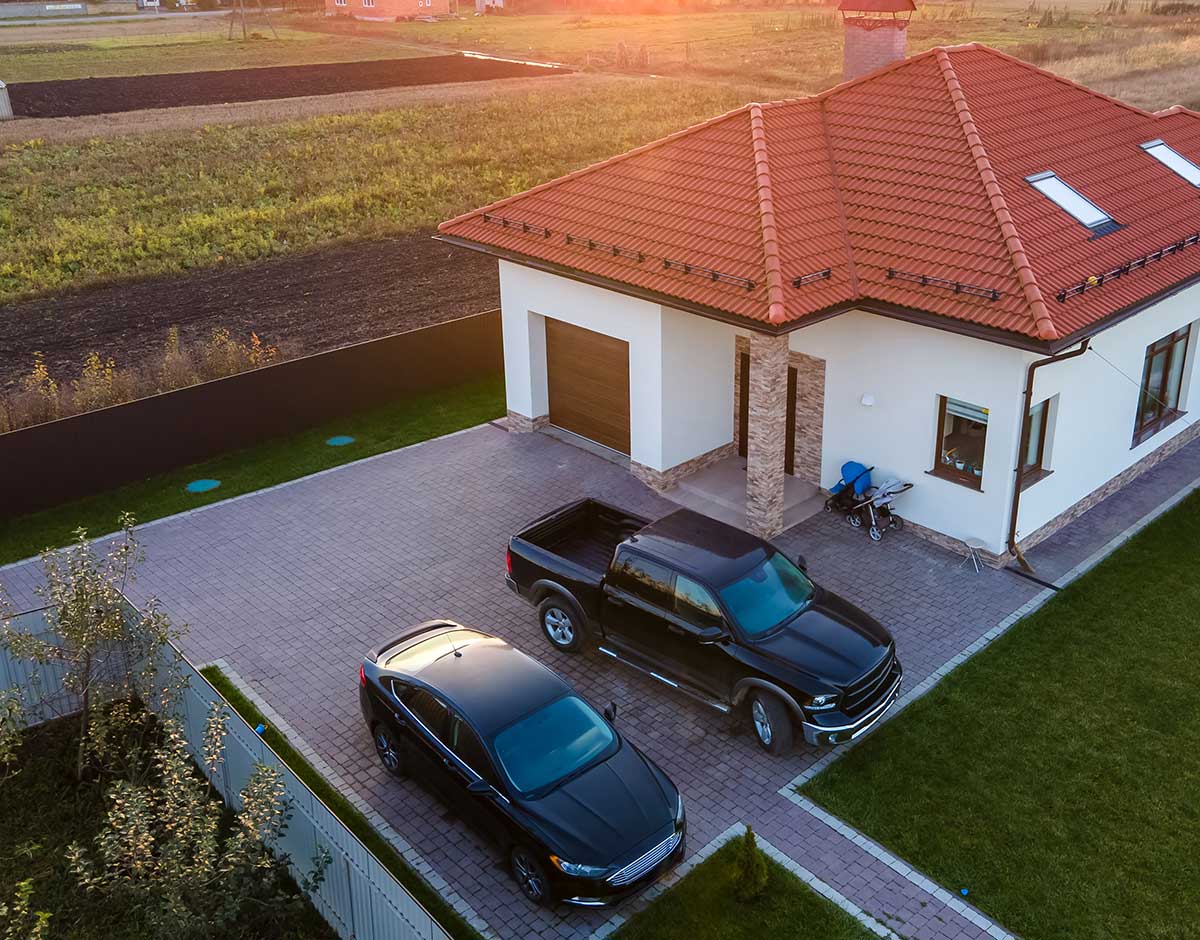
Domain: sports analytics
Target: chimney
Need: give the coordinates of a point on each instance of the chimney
(875, 34)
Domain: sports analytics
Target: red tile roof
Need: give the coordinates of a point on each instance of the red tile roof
(915, 171)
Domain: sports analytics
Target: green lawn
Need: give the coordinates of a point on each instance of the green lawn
(342, 808)
(43, 810)
(1055, 775)
(204, 46)
(381, 429)
(703, 906)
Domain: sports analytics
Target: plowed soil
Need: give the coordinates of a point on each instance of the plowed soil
(304, 303)
(76, 97)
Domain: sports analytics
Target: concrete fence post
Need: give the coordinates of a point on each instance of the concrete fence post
(6, 111)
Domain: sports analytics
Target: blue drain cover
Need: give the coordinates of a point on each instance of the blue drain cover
(202, 486)
(340, 440)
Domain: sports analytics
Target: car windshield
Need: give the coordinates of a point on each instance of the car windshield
(552, 743)
(767, 595)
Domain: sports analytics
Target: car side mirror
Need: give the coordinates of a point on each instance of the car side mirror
(610, 712)
(801, 563)
(480, 787)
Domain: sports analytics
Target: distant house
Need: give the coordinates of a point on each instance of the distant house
(961, 269)
(387, 9)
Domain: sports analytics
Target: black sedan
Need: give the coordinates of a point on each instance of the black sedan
(584, 816)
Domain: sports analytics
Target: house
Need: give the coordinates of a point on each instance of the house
(966, 271)
(389, 10)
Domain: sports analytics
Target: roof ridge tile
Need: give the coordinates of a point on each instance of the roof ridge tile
(839, 200)
(766, 211)
(1043, 321)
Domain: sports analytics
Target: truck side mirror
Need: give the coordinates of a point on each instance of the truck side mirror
(610, 711)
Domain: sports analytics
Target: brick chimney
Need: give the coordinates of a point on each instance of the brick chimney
(875, 34)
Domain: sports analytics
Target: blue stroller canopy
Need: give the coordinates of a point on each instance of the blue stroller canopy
(853, 474)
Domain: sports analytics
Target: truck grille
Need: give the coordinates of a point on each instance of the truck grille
(639, 866)
(864, 691)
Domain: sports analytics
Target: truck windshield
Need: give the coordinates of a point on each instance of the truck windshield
(767, 595)
(551, 744)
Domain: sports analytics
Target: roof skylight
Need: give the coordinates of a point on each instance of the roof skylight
(1082, 210)
(1173, 160)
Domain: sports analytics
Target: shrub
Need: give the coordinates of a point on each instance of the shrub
(16, 919)
(41, 392)
(751, 868)
(101, 384)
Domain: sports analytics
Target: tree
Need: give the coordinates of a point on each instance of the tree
(109, 651)
(750, 868)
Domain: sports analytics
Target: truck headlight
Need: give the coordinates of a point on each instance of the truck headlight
(578, 871)
(822, 701)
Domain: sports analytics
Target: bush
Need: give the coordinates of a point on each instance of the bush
(751, 870)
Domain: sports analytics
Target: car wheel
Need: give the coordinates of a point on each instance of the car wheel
(772, 723)
(530, 875)
(875, 533)
(388, 749)
(561, 624)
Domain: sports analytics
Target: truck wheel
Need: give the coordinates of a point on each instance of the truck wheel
(772, 723)
(561, 624)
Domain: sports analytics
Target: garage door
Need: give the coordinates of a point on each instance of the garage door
(588, 376)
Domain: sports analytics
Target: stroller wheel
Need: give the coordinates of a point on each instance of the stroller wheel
(829, 505)
(875, 533)
(854, 519)
(897, 523)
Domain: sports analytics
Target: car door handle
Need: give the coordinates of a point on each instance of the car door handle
(400, 722)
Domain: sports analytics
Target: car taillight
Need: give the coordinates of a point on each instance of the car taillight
(362, 676)
(508, 561)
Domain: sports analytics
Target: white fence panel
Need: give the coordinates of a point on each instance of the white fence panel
(358, 896)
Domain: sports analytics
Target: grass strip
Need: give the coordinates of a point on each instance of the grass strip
(341, 807)
(375, 431)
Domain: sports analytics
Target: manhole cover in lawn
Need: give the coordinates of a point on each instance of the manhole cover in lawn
(202, 486)
(340, 440)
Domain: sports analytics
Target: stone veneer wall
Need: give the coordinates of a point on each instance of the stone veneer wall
(810, 409)
(871, 44)
(767, 434)
(523, 424)
(665, 479)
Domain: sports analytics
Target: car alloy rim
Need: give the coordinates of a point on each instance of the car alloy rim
(527, 876)
(387, 750)
(762, 725)
(559, 626)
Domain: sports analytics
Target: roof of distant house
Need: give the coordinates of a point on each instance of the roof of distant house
(909, 191)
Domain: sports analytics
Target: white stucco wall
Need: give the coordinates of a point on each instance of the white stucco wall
(1090, 437)
(906, 368)
(680, 366)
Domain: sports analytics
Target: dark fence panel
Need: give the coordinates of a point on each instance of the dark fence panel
(62, 460)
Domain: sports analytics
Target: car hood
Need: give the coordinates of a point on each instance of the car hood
(602, 815)
(831, 640)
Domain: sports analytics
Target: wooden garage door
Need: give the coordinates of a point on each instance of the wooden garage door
(589, 384)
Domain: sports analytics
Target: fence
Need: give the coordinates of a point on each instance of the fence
(51, 463)
(358, 896)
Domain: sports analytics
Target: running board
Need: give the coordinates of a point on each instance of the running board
(724, 709)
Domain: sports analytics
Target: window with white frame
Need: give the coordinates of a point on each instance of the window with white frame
(1173, 160)
(1072, 202)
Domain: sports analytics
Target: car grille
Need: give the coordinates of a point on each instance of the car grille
(864, 691)
(639, 866)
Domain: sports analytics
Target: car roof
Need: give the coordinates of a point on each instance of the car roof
(705, 548)
(489, 682)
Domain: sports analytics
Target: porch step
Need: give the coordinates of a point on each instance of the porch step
(719, 491)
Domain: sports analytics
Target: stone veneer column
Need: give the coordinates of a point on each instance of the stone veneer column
(767, 435)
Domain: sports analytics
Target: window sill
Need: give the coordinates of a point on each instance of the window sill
(1031, 477)
(967, 480)
(1141, 435)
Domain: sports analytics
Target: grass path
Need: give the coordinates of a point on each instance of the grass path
(274, 461)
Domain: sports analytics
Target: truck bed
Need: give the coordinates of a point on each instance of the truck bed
(585, 533)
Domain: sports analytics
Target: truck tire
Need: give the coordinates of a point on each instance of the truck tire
(771, 722)
(562, 624)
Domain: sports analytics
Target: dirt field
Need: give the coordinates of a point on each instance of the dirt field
(77, 97)
(304, 303)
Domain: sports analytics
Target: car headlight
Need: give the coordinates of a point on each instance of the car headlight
(679, 811)
(822, 701)
(579, 871)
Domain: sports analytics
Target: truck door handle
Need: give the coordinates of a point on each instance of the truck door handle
(616, 601)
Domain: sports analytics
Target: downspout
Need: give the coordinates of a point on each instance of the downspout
(1019, 471)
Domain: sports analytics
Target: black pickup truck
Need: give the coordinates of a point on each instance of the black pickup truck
(711, 611)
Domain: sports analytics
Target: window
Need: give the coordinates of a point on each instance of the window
(646, 579)
(428, 708)
(556, 741)
(768, 595)
(340, 3)
(368, 3)
(695, 605)
(1173, 160)
(961, 434)
(466, 745)
(1162, 381)
(1033, 464)
(1082, 210)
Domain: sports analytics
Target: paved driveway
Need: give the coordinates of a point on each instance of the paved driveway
(291, 585)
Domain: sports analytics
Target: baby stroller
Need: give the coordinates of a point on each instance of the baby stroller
(875, 509)
(849, 491)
